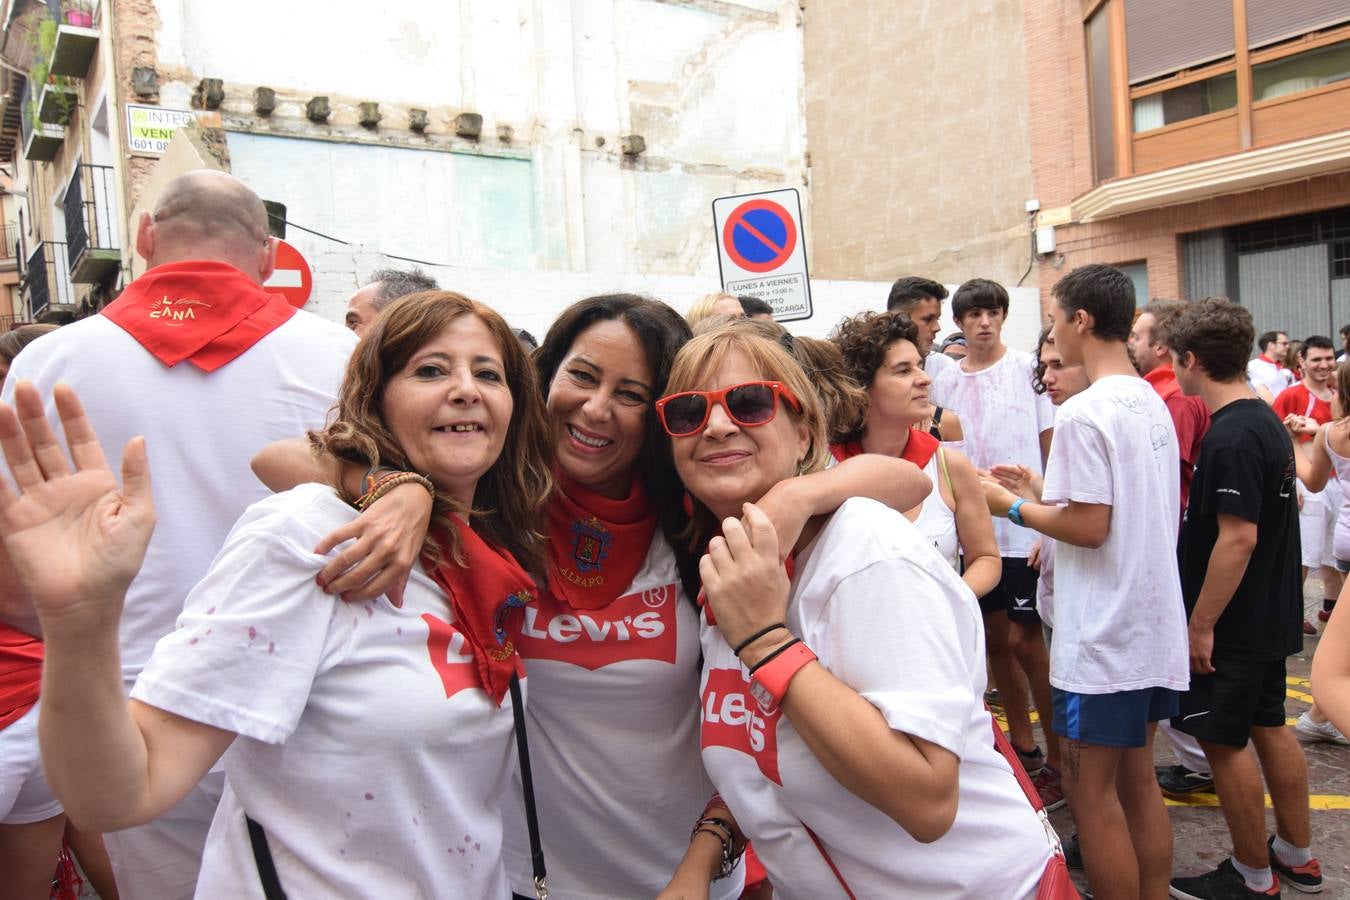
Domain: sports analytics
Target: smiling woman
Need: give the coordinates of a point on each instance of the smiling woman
(858, 667)
(285, 677)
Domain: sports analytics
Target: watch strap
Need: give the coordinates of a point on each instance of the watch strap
(770, 681)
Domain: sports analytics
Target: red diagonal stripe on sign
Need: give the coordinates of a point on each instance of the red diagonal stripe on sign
(755, 232)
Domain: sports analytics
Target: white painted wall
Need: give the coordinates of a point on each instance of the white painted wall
(532, 300)
(716, 90)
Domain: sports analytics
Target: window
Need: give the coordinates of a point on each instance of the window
(1301, 72)
(1314, 228)
(1099, 87)
(1199, 98)
(1138, 273)
(1340, 260)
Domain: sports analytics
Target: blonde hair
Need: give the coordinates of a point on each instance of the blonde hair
(703, 307)
(705, 354)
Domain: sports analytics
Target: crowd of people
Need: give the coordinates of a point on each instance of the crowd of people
(659, 606)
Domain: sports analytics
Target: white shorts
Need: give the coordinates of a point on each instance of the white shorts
(24, 795)
(1317, 525)
(160, 860)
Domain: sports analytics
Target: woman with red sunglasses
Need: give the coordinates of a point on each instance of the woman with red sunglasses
(842, 715)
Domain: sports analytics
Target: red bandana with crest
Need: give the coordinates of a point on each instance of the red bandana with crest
(919, 449)
(487, 595)
(596, 545)
(206, 312)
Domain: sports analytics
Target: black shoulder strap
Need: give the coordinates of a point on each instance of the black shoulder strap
(262, 855)
(937, 419)
(527, 784)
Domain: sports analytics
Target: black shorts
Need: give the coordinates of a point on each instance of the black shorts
(1223, 706)
(1015, 592)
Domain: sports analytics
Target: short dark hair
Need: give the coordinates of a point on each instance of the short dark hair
(526, 340)
(1316, 342)
(1103, 292)
(753, 306)
(1162, 311)
(1218, 332)
(395, 283)
(909, 291)
(978, 293)
(661, 332)
(1267, 338)
(1345, 331)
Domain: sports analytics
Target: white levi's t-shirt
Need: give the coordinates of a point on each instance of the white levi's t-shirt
(1002, 418)
(613, 724)
(1119, 620)
(892, 620)
(201, 429)
(366, 748)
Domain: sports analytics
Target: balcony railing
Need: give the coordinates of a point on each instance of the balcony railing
(92, 240)
(46, 280)
(9, 248)
(41, 140)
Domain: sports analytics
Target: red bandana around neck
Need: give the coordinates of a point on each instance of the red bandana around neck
(203, 311)
(596, 545)
(919, 449)
(485, 594)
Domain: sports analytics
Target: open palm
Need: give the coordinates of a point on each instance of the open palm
(75, 539)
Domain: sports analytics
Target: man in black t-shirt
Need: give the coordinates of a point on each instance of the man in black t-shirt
(1239, 562)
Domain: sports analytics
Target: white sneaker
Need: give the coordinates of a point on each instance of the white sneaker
(1308, 730)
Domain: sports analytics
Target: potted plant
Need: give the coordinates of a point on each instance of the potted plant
(78, 12)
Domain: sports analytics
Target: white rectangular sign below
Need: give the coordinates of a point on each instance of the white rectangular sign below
(150, 128)
(761, 250)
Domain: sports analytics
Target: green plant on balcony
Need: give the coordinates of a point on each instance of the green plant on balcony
(44, 39)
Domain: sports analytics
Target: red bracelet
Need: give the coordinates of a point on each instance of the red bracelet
(770, 680)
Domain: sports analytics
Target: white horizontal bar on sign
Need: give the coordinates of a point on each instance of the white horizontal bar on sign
(284, 278)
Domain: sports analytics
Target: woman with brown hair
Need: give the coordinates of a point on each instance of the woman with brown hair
(842, 720)
(292, 682)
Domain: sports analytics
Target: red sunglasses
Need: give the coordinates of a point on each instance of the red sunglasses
(748, 404)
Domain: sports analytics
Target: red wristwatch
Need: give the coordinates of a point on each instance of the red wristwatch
(770, 681)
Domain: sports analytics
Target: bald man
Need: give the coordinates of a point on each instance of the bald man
(196, 356)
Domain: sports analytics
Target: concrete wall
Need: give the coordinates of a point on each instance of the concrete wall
(533, 299)
(713, 86)
(919, 141)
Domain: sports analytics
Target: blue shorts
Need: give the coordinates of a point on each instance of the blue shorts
(1112, 720)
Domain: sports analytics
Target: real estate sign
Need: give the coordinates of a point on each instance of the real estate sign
(150, 128)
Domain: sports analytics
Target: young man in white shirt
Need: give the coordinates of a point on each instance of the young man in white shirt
(1005, 422)
(1119, 662)
(1267, 370)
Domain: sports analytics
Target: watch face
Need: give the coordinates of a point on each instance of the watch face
(766, 700)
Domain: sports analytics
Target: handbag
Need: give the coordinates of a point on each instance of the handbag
(1055, 882)
(271, 881)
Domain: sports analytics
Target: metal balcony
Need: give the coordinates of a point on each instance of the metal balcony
(49, 288)
(92, 239)
(41, 140)
(75, 44)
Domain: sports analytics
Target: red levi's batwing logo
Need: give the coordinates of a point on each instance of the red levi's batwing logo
(640, 625)
(732, 719)
(450, 657)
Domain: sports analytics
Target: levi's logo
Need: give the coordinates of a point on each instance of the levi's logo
(451, 656)
(637, 626)
(732, 719)
(176, 312)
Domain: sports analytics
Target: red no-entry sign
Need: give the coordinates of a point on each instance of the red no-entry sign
(291, 278)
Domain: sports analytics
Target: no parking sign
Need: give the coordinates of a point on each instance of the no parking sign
(761, 251)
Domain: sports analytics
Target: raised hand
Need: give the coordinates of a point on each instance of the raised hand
(743, 577)
(75, 539)
(1019, 479)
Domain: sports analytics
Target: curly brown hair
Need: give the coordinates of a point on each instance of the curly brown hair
(1218, 332)
(844, 399)
(510, 494)
(863, 340)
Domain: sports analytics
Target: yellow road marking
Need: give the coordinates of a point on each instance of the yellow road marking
(1290, 679)
(1316, 801)
(1299, 695)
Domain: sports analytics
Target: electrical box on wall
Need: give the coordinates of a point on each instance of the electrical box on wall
(1045, 240)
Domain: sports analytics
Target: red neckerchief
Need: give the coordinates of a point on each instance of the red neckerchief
(1164, 382)
(484, 593)
(1278, 365)
(596, 545)
(20, 673)
(919, 448)
(206, 312)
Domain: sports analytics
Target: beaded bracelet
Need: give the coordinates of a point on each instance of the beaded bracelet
(712, 825)
(388, 483)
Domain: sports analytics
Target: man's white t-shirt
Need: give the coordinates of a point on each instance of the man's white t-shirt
(888, 617)
(613, 724)
(367, 749)
(1002, 418)
(1120, 624)
(200, 432)
(1264, 372)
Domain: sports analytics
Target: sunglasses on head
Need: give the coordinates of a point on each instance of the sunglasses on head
(748, 404)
